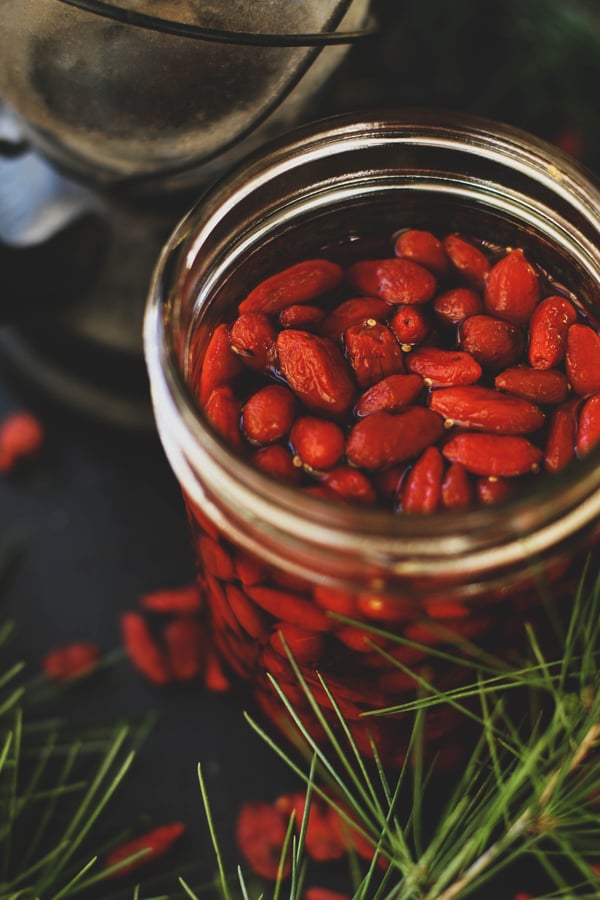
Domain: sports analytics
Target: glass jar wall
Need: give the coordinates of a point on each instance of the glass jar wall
(374, 602)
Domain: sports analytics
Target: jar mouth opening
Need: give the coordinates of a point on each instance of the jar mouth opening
(574, 491)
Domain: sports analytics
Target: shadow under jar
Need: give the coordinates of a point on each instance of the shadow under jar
(372, 598)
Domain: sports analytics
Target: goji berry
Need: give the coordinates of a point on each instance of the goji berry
(300, 283)
(320, 893)
(143, 650)
(70, 661)
(411, 324)
(422, 247)
(223, 411)
(479, 407)
(268, 414)
(467, 259)
(146, 848)
(316, 371)
(493, 454)
(185, 599)
(317, 443)
(545, 386)
(495, 343)
(373, 352)
(457, 304)
(252, 337)
(383, 438)
(422, 489)
(391, 394)
(350, 484)
(457, 492)
(300, 315)
(560, 442)
(184, 639)
(512, 288)
(439, 366)
(260, 831)
(588, 426)
(394, 280)
(581, 359)
(22, 436)
(278, 461)
(219, 364)
(548, 329)
(355, 311)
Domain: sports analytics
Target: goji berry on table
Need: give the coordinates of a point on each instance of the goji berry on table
(70, 661)
(22, 436)
(144, 849)
(143, 649)
(260, 831)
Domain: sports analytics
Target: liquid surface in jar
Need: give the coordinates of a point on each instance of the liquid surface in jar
(443, 373)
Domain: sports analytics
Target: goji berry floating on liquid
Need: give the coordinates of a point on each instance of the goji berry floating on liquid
(446, 374)
(502, 354)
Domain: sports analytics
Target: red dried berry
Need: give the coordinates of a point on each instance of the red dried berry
(383, 439)
(317, 443)
(493, 454)
(512, 288)
(560, 442)
(391, 394)
(424, 248)
(260, 831)
(443, 367)
(582, 359)
(373, 352)
(223, 411)
(143, 651)
(185, 599)
(145, 849)
(300, 283)
(355, 311)
(301, 315)
(475, 406)
(21, 438)
(350, 484)
(411, 324)
(184, 639)
(277, 461)
(545, 386)
(394, 280)
(457, 491)
(467, 259)
(422, 489)
(548, 329)
(252, 338)
(492, 490)
(320, 893)
(588, 426)
(268, 414)
(220, 364)
(71, 661)
(316, 371)
(495, 343)
(455, 305)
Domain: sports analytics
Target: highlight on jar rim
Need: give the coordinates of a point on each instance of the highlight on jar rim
(374, 358)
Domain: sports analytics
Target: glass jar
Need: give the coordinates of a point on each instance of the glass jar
(373, 602)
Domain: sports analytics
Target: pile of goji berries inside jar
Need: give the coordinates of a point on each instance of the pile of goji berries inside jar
(439, 377)
(444, 375)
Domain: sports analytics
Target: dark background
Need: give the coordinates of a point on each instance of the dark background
(98, 520)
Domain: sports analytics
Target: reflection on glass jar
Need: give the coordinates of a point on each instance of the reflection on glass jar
(326, 544)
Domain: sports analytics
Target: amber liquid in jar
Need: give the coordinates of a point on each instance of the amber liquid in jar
(421, 372)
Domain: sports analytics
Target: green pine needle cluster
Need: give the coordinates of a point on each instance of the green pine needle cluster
(528, 793)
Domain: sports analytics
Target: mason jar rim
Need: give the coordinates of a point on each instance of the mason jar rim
(564, 501)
